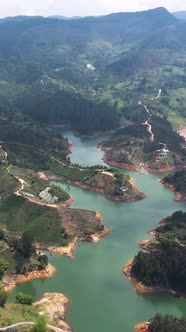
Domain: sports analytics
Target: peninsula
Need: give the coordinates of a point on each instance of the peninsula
(155, 271)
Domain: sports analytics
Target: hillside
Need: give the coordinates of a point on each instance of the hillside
(89, 72)
(153, 145)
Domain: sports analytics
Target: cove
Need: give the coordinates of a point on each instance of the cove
(102, 298)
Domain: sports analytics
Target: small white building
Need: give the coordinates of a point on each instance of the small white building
(124, 189)
(90, 67)
(163, 154)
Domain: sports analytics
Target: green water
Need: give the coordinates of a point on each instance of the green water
(102, 298)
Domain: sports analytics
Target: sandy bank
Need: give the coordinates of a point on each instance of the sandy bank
(120, 165)
(94, 238)
(59, 250)
(140, 287)
(142, 327)
(70, 148)
(162, 170)
(152, 232)
(69, 250)
(146, 245)
(138, 169)
(178, 197)
(182, 132)
(69, 202)
(9, 283)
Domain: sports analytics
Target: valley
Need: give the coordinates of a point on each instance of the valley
(90, 110)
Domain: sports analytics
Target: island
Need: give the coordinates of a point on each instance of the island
(177, 183)
(161, 269)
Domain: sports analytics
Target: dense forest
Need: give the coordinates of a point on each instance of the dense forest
(178, 180)
(71, 108)
(25, 131)
(166, 266)
(167, 323)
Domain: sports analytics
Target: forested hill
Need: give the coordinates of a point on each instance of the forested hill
(90, 71)
(167, 323)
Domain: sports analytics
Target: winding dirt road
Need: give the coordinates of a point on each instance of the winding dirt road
(149, 126)
(51, 327)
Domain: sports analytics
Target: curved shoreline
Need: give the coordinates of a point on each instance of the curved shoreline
(165, 169)
(120, 165)
(136, 169)
(178, 197)
(69, 250)
(140, 287)
(10, 283)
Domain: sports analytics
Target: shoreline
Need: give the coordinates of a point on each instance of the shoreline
(140, 287)
(120, 165)
(52, 177)
(178, 197)
(165, 169)
(70, 148)
(93, 135)
(69, 250)
(10, 283)
(182, 132)
(145, 245)
(135, 169)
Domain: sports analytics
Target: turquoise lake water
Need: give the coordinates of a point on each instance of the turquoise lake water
(101, 298)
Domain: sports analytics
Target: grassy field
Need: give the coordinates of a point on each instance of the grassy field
(14, 313)
(8, 183)
(73, 173)
(8, 256)
(18, 215)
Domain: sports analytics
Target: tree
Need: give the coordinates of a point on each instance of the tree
(3, 267)
(28, 248)
(2, 234)
(41, 325)
(3, 297)
(24, 298)
(43, 259)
